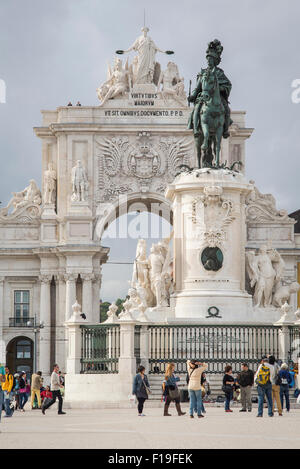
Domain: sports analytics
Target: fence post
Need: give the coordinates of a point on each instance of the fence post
(285, 322)
(144, 347)
(127, 360)
(74, 348)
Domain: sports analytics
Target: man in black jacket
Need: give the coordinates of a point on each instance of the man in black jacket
(246, 380)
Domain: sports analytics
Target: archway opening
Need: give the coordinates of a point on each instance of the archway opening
(19, 355)
(122, 236)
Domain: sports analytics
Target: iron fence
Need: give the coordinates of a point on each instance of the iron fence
(215, 345)
(100, 348)
(137, 345)
(294, 352)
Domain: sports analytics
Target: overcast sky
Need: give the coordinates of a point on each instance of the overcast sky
(53, 52)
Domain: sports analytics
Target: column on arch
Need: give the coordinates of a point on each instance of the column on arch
(45, 318)
(70, 279)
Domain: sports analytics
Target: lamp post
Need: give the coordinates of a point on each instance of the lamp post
(36, 328)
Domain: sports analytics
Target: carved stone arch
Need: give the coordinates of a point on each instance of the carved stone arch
(152, 203)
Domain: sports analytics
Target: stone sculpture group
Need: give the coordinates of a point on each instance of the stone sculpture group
(151, 283)
(144, 70)
(265, 270)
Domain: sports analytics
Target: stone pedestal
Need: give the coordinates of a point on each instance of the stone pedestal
(209, 245)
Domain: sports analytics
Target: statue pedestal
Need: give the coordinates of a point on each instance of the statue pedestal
(209, 245)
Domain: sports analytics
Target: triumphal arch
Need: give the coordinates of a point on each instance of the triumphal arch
(99, 161)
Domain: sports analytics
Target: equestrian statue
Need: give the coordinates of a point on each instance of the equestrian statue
(210, 118)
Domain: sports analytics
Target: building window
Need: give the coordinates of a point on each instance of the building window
(21, 305)
(23, 349)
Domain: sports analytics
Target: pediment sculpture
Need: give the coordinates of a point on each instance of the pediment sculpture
(262, 208)
(24, 206)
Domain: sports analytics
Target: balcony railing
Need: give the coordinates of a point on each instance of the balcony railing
(20, 322)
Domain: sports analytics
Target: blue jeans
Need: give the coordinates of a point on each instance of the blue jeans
(263, 391)
(284, 391)
(202, 408)
(195, 401)
(23, 399)
(228, 398)
(8, 410)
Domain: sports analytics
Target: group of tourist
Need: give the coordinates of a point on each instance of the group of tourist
(16, 389)
(272, 380)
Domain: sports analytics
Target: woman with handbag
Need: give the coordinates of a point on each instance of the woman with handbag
(171, 391)
(22, 391)
(195, 370)
(141, 389)
(228, 386)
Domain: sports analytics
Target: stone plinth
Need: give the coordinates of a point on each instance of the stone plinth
(209, 244)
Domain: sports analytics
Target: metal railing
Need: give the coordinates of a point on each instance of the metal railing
(215, 345)
(137, 345)
(294, 352)
(100, 348)
(20, 322)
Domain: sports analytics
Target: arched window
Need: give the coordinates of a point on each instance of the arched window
(23, 349)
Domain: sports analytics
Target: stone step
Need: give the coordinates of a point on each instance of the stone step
(215, 382)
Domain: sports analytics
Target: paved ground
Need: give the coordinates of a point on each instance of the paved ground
(122, 428)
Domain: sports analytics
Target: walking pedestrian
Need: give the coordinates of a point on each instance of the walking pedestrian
(263, 378)
(195, 370)
(276, 385)
(141, 389)
(245, 379)
(22, 391)
(2, 380)
(16, 390)
(285, 379)
(7, 387)
(171, 391)
(55, 389)
(36, 383)
(228, 387)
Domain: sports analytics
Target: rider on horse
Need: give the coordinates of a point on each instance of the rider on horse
(213, 56)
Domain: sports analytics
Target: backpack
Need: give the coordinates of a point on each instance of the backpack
(14, 384)
(278, 380)
(263, 376)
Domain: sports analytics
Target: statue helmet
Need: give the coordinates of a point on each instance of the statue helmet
(215, 50)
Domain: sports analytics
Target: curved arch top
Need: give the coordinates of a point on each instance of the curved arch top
(106, 213)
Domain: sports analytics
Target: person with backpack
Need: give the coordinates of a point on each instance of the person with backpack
(2, 380)
(171, 391)
(195, 370)
(285, 380)
(276, 385)
(7, 387)
(245, 379)
(263, 379)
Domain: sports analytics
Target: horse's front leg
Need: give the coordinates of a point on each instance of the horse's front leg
(218, 143)
(205, 131)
